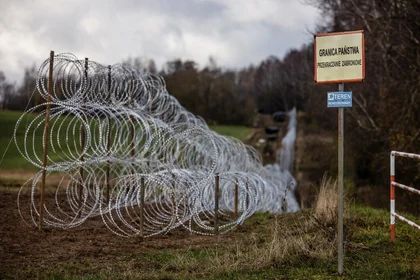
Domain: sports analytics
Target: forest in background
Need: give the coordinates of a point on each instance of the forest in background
(385, 113)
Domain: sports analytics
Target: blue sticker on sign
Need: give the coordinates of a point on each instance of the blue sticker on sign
(339, 99)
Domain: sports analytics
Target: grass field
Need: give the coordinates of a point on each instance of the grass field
(267, 246)
(14, 160)
(239, 132)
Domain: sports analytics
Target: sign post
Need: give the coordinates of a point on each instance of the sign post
(339, 58)
(340, 149)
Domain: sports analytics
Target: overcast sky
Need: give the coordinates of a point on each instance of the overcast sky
(236, 33)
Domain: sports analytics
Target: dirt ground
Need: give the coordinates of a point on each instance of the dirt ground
(26, 252)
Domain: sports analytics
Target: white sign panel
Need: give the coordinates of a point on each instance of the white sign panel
(339, 57)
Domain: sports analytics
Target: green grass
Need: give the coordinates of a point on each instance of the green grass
(12, 157)
(14, 160)
(239, 132)
(374, 254)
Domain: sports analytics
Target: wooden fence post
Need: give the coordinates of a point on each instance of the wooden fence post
(247, 196)
(216, 204)
(46, 128)
(142, 190)
(236, 198)
(108, 144)
(132, 148)
(83, 137)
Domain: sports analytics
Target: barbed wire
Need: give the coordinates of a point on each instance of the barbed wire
(127, 151)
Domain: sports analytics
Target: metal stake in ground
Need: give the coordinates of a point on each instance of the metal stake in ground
(46, 128)
(340, 183)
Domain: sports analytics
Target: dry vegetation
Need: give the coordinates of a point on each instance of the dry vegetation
(290, 246)
(264, 241)
(291, 236)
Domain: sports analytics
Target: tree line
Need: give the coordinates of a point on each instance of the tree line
(219, 95)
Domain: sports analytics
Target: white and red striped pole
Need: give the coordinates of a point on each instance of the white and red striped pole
(392, 195)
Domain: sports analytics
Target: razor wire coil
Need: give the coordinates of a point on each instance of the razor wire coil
(115, 128)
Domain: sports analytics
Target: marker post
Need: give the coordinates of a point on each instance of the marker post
(338, 58)
(340, 222)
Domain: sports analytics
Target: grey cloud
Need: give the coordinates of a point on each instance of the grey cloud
(111, 30)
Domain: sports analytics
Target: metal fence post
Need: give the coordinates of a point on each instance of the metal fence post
(392, 196)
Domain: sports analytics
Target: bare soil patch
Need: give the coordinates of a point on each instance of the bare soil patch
(28, 253)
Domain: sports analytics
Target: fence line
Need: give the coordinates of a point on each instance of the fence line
(394, 184)
(98, 115)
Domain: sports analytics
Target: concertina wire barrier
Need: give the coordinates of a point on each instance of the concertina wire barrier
(128, 152)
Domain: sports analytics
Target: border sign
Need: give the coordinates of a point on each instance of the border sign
(339, 57)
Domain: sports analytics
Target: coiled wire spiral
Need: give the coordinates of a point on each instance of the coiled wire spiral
(127, 151)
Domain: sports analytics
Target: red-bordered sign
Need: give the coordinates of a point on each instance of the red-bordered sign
(339, 57)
